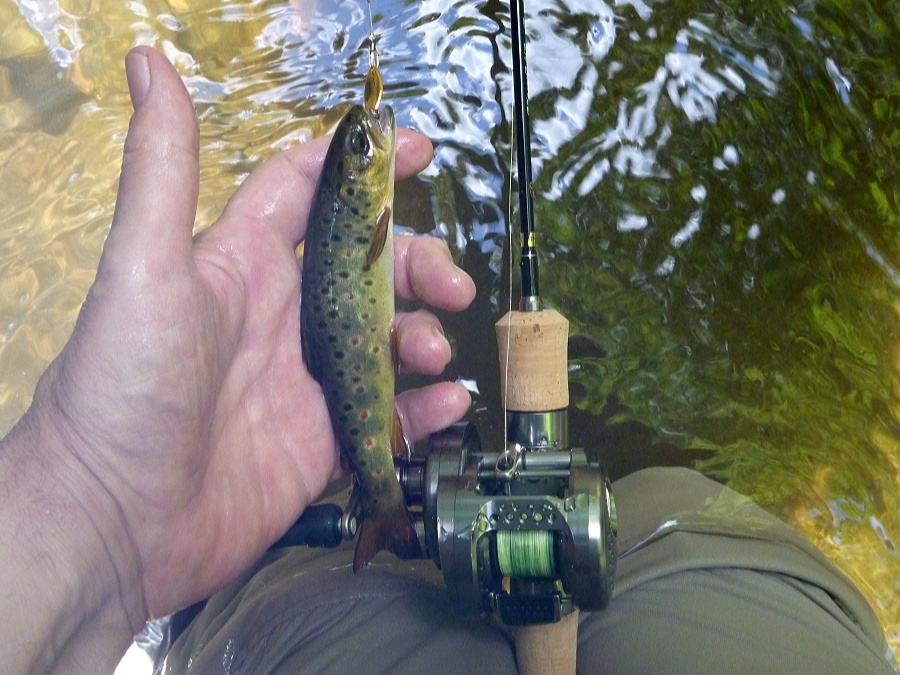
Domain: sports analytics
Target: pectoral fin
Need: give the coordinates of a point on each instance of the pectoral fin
(379, 236)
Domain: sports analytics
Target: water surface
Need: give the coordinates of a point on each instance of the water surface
(716, 191)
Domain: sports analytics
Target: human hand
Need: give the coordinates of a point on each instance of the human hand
(181, 407)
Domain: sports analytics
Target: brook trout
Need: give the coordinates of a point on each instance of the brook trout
(347, 324)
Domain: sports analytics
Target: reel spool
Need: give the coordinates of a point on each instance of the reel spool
(525, 537)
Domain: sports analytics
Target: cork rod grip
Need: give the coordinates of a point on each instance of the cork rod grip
(534, 372)
(547, 649)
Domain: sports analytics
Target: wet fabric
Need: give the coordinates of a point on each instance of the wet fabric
(707, 582)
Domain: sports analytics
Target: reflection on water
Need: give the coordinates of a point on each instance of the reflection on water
(716, 187)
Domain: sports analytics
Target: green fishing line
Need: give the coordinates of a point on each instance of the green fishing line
(527, 553)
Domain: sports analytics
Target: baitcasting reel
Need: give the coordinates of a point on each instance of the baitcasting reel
(525, 536)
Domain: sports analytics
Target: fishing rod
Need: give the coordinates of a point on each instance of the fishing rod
(530, 300)
(524, 533)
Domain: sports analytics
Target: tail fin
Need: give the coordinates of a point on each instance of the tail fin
(393, 531)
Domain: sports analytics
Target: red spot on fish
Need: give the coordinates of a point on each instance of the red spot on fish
(355, 341)
(373, 329)
(348, 226)
(378, 471)
(370, 442)
(360, 389)
(351, 296)
(357, 367)
(365, 315)
(364, 414)
(348, 253)
(376, 349)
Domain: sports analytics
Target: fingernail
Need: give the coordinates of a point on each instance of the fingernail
(137, 70)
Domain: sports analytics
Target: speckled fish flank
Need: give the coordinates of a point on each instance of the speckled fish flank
(347, 320)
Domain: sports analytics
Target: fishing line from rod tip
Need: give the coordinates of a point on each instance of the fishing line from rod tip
(509, 233)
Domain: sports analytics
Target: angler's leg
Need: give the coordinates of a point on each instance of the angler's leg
(305, 611)
(708, 582)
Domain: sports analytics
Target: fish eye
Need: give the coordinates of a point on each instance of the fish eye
(357, 143)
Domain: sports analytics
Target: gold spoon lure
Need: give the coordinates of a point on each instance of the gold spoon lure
(374, 85)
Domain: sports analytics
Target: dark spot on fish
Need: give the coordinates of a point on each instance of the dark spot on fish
(376, 396)
(332, 338)
(356, 379)
(357, 367)
(335, 236)
(333, 314)
(340, 167)
(346, 325)
(365, 315)
(350, 192)
(367, 282)
(321, 324)
(338, 354)
(376, 349)
(354, 431)
(354, 211)
(362, 240)
(348, 225)
(342, 419)
(348, 407)
(329, 262)
(340, 373)
(373, 300)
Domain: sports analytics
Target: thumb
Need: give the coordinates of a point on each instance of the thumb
(157, 200)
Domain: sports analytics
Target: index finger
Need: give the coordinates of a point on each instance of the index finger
(281, 191)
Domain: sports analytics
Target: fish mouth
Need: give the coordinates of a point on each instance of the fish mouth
(387, 126)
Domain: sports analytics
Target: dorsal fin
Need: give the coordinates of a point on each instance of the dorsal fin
(379, 236)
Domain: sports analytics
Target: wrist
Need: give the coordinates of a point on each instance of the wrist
(69, 575)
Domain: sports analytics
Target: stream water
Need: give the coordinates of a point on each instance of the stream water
(716, 190)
